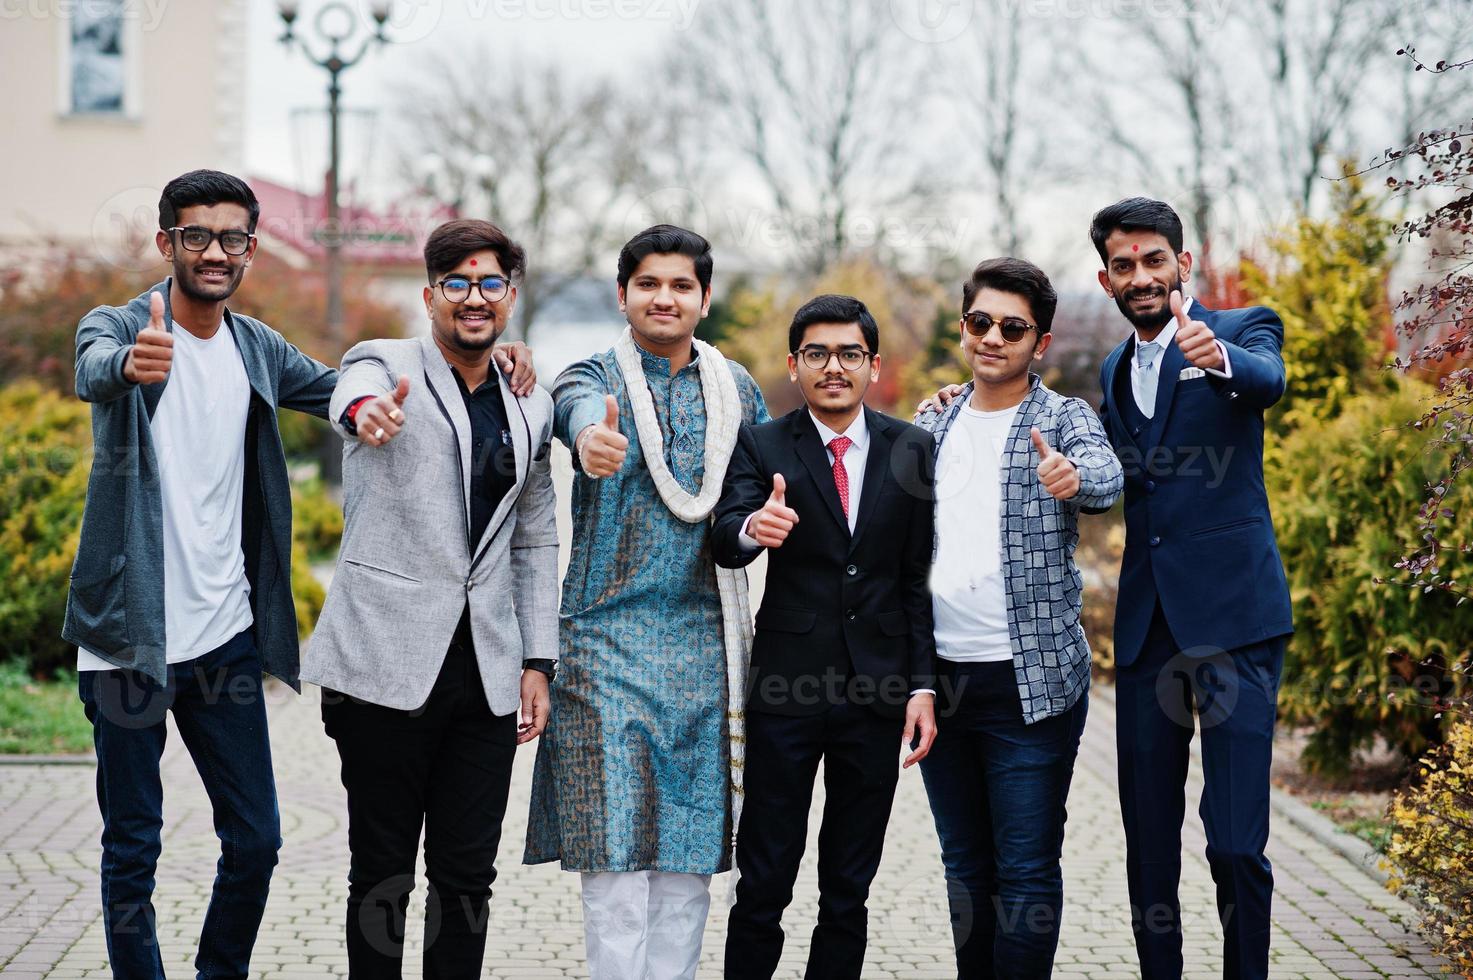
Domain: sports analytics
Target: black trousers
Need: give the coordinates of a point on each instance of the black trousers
(445, 768)
(861, 763)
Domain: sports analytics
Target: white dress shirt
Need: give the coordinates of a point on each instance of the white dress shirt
(1163, 340)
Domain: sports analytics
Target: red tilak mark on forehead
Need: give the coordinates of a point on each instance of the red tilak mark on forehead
(1133, 248)
(473, 261)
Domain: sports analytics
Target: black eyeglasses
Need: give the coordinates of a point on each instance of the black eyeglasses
(457, 289)
(1013, 329)
(817, 358)
(197, 239)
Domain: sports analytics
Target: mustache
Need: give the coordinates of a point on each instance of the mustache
(1133, 294)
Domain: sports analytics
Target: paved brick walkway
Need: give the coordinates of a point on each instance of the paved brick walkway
(1331, 919)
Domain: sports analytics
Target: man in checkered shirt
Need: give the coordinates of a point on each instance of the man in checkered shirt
(1015, 464)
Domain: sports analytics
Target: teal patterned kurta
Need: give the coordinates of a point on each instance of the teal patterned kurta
(632, 772)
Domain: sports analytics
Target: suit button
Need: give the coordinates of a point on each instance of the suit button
(469, 586)
(1155, 540)
(1150, 486)
(849, 614)
(852, 570)
(1136, 431)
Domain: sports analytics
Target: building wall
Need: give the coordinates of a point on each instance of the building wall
(93, 179)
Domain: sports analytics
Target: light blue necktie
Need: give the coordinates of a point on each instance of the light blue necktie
(1145, 394)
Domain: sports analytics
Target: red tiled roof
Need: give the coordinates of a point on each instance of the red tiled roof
(298, 220)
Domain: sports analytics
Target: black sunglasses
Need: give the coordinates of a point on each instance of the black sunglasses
(1013, 329)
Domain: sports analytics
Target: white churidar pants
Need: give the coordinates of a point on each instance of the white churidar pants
(644, 925)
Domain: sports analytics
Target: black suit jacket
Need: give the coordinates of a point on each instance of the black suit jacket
(843, 617)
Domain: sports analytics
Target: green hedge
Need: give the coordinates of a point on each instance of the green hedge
(1368, 658)
(45, 458)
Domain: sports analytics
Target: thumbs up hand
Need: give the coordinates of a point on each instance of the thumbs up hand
(381, 418)
(1058, 475)
(601, 446)
(152, 353)
(1197, 341)
(769, 526)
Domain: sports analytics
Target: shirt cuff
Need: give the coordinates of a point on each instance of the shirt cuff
(1227, 364)
(922, 690)
(349, 420)
(747, 542)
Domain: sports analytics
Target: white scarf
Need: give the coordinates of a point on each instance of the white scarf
(723, 421)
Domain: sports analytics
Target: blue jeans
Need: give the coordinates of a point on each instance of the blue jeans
(997, 789)
(221, 715)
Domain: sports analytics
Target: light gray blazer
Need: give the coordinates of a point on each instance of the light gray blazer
(407, 566)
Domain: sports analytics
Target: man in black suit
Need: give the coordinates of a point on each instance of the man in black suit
(842, 498)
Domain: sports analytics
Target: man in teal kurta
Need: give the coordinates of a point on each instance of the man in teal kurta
(632, 784)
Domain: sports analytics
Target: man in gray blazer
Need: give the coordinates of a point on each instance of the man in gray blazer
(439, 633)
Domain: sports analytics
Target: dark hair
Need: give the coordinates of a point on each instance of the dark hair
(666, 240)
(449, 244)
(1010, 275)
(205, 187)
(1136, 214)
(833, 308)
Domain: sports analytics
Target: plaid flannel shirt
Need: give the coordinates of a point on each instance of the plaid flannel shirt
(1051, 658)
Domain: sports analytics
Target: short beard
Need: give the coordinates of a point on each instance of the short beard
(454, 337)
(1149, 321)
(470, 343)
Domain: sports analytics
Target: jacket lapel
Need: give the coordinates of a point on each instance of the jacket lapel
(811, 452)
(521, 438)
(876, 462)
(447, 396)
(1118, 362)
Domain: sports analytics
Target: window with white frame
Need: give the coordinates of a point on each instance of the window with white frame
(97, 59)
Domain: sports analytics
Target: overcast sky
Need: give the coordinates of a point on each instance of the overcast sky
(286, 131)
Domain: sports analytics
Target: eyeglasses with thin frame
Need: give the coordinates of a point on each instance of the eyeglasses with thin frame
(1013, 328)
(197, 239)
(817, 358)
(457, 289)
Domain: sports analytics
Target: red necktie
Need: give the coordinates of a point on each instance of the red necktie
(839, 445)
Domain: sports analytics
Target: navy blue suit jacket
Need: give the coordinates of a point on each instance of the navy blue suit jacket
(1198, 532)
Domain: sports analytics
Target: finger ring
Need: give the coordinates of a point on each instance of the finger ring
(378, 434)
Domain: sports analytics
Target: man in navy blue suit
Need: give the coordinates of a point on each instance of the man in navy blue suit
(1203, 614)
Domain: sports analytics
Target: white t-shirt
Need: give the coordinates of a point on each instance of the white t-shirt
(198, 432)
(968, 592)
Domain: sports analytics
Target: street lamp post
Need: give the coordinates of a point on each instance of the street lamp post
(334, 24)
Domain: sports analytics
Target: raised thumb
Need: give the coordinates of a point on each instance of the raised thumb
(779, 489)
(611, 412)
(156, 311)
(1178, 307)
(1038, 443)
(401, 391)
